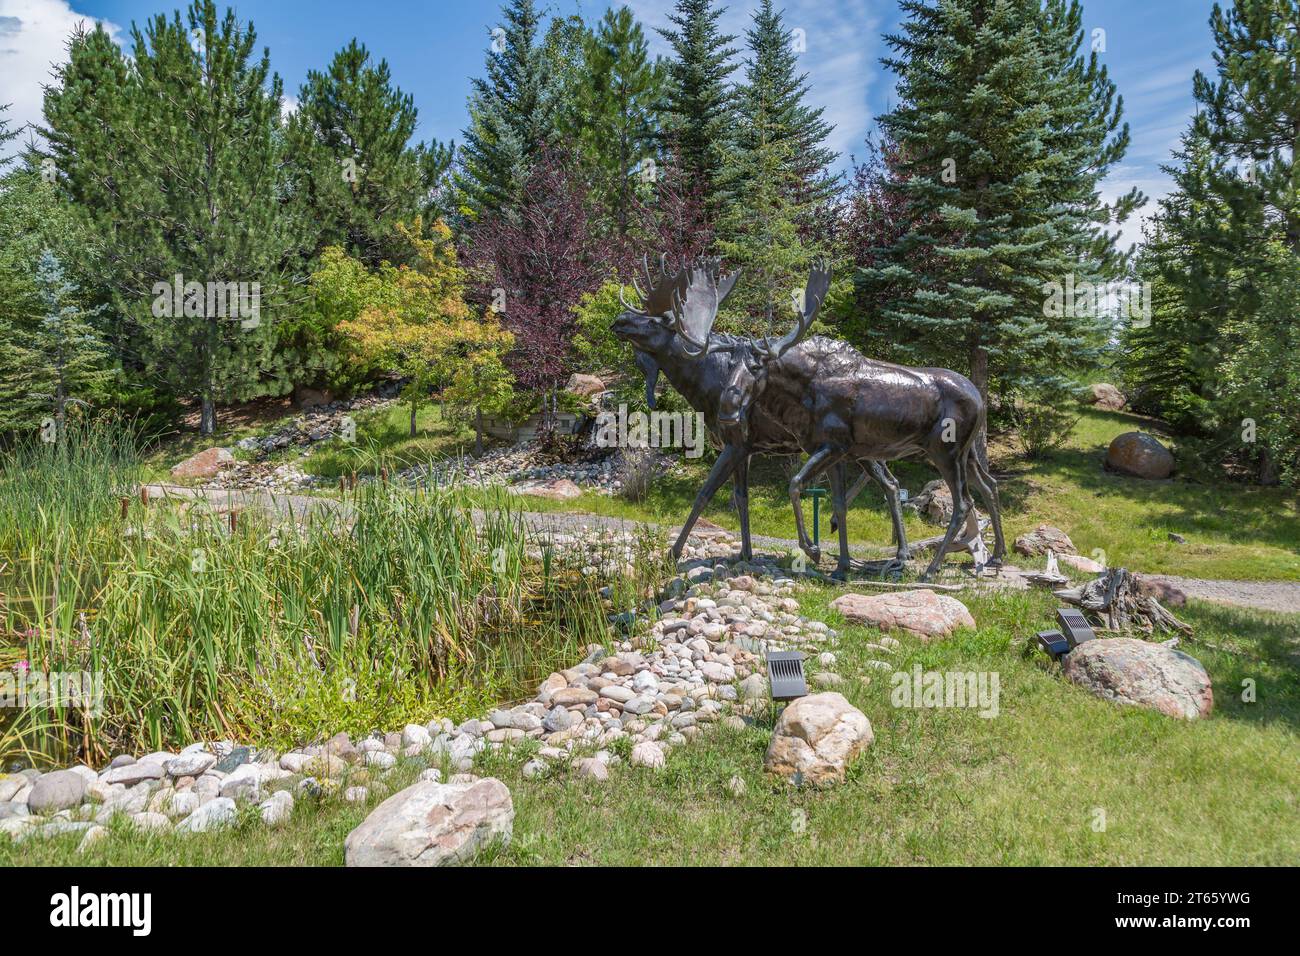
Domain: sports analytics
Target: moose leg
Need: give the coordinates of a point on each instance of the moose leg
(987, 487)
(887, 481)
(840, 507)
(818, 460)
(721, 470)
(740, 480)
(853, 492)
(953, 470)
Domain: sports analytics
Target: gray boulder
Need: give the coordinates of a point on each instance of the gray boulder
(433, 824)
(57, 791)
(1129, 671)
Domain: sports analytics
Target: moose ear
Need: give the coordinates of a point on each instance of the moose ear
(650, 369)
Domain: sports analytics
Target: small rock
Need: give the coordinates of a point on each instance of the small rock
(216, 813)
(922, 612)
(189, 765)
(277, 809)
(1106, 397)
(647, 754)
(1045, 538)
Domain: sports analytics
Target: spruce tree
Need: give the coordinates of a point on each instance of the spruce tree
(616, 121)
(776, 177)
(512, 113)
(1004, 131)
(350, 143)
(66, 362)
(6, 134)
(697, 120)
(770, 105)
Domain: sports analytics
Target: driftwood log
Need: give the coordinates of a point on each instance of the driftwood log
(1115, 599)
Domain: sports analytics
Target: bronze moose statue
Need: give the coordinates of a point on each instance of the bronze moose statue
(814, 396)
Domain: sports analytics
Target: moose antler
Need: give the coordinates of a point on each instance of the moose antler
(657, 297)
(695, 306)
(814, 293)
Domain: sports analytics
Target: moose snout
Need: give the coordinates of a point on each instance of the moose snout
(622, 324)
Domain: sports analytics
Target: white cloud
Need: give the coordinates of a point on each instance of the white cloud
(33, 41)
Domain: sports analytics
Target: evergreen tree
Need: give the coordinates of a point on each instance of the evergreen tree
(696, 110)
(770, 107)
(6, 134)
(350, 142)
(512, 113)
(1004, 131)
(1169, 363)
(180, 161)
(62, 357)
(1229, 252)
(776, 177)
(616, 121)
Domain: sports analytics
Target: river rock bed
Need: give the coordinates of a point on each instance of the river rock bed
(696, 665)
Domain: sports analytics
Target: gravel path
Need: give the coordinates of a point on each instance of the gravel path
(1263, 595)
(1282, 596)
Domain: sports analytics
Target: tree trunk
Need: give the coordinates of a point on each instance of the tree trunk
(979, 371)
(207, 416)
(478, 431)
(414, 407)
(1267, 468)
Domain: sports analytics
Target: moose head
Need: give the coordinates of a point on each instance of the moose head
(673, 330)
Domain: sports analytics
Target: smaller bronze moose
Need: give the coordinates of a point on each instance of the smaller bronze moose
(818, 396)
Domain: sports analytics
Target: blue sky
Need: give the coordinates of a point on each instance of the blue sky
(435, 46)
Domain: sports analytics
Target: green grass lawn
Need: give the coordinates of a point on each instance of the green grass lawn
(1233, 531)
(1028, 786)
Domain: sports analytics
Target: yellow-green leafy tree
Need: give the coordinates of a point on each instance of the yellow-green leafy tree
(419, 325)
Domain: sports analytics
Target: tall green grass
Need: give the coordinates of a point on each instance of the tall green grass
(396, 604)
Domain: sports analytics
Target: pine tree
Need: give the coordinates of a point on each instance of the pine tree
(350, 143)
(1004, 130)
(1170, 362)
(1229, 254)
(696, 109)
(616, 121)
(180, 160)
(512, 113)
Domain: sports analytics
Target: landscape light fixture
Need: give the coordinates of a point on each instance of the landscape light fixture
(1074, 625)
(785, 675)
(1074, 631)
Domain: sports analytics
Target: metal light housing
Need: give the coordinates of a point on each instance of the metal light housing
(785, 676)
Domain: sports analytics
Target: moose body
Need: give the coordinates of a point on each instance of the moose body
(817, 396)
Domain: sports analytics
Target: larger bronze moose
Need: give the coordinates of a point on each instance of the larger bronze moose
(815, 395)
